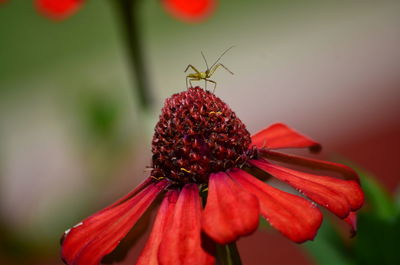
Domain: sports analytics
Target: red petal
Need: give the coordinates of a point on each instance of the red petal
(337, 195)
(352, 221)
(189, 10)
(58, 9)
(293, 216)
(279, 135)
(346, 171)
(181, 243)
(149, 255)
(96, 236)
(230, 211)
(131, 194)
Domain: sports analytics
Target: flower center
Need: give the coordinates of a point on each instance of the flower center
(197, 134)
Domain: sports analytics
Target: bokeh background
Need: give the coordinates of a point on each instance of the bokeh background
(73, 137)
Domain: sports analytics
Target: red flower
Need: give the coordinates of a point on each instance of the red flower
(200, 144)
(185, 10)
(58, 9)
(190, 10)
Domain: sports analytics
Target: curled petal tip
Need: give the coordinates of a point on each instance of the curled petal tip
(279, 135)
(315, 148)
(351, 219)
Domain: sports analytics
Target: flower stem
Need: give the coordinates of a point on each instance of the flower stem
(129, 11)
(228, 254)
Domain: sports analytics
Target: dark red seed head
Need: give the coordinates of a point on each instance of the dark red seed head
(197, 134)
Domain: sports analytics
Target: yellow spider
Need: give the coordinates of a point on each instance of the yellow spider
(197, 76)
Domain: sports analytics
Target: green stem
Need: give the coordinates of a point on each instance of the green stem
(129, 14)
(228, 254)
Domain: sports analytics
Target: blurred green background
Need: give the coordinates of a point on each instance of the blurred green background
(73, 137)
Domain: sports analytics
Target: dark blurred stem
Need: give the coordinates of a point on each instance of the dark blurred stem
(228, 254)
(129, 14)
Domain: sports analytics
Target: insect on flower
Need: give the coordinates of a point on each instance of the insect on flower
(202, 150)
(197, 76)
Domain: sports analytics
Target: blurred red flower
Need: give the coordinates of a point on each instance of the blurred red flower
(185, 10)
(58, 9)
(190, 10)
(200, 145)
